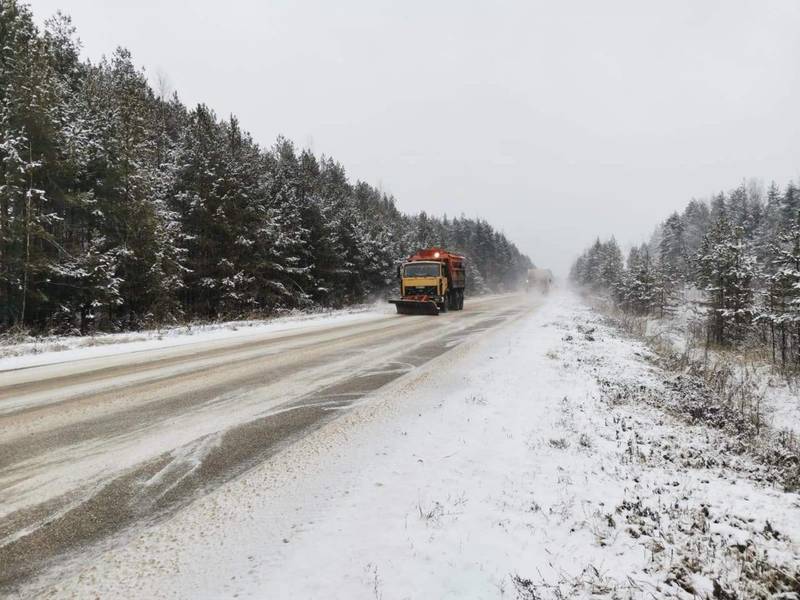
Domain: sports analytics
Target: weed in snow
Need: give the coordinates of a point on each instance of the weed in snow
(476, 399)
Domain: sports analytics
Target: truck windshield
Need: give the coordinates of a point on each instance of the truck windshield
(422, 270)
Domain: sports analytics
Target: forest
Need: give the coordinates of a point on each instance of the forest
(736, 255)
(121, 208)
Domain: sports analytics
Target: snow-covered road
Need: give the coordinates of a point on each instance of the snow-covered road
(503, 468)
(96, 440)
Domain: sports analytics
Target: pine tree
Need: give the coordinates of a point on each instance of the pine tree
(790, 204)
(28, 95)
(696, 219)
(739, 210)
(642, 291)
(292, 261)
(769, 225)
(783, 295)
(726, 271)
(673, 251)
(673, 268)
(611, 263)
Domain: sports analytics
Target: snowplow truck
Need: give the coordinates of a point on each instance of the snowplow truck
(431, 281)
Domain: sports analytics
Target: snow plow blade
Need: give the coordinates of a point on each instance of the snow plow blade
(416, 307)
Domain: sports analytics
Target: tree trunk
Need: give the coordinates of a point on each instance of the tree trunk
(783, 345)
(5, 316)
(26, 264)
(772, 337)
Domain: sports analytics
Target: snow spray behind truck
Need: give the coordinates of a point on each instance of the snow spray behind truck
(539, 279)
(431, 281)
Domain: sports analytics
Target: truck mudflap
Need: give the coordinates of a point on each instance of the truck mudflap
(417, 305)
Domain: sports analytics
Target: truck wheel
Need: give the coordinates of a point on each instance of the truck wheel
(460, 299)
(445, 304)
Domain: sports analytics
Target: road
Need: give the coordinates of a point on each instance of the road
(89, 448)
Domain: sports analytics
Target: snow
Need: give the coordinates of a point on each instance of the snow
(781, 393)
(51, 350)
(498, 469)
(784, 403)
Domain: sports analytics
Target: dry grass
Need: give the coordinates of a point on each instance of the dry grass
(722, 387)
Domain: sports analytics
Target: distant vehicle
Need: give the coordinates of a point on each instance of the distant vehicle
(431, 281)
(539, 280)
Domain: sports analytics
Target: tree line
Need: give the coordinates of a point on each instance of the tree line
(122, 208)
(740, 252)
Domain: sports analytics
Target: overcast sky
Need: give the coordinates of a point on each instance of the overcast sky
(557, 121)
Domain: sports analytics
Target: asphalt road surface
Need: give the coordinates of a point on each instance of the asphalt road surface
(89, 448)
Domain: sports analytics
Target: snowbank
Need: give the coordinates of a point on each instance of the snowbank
(50, 350)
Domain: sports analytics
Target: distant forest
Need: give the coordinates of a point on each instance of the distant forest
(121, 208)
(739, 252)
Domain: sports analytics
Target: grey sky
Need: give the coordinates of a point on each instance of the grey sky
(556, 121)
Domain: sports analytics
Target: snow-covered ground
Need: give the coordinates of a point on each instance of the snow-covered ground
(781, 395)
(500, 470)
(53, 349)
